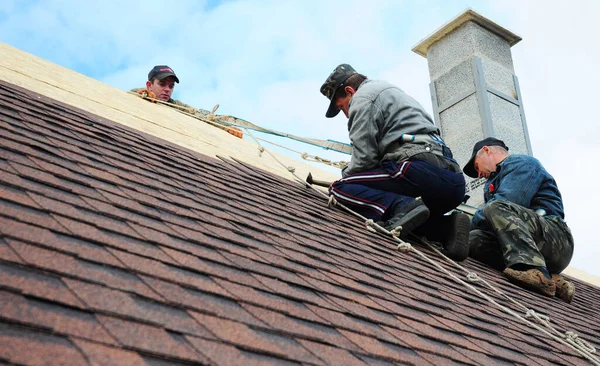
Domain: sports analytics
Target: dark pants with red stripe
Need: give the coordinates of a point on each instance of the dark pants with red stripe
(375, 193)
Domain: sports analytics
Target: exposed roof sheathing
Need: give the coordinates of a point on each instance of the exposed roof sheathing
(117, 247)
(39, 75)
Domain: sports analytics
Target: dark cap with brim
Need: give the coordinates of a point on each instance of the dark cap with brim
(335, 80)
(469, 168)
(162, 71)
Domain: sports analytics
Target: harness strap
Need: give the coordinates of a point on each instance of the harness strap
(425, 147)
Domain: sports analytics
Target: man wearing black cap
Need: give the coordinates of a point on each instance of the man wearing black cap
(397, 156)
(520, 229)
(160, 85)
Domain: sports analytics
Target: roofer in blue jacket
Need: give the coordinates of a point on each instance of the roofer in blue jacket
(397, 156)
(521, 227)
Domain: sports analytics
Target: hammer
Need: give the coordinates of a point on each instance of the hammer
(321, 183)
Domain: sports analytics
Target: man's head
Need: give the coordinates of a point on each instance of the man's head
(487, 153)
(339, 88)
(161, 81)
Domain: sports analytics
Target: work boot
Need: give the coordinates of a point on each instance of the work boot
(456, 229)
(565, 290)
(532, 279)
(409, 216)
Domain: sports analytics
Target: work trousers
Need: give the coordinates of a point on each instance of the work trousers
(518, 235)
(375, 193)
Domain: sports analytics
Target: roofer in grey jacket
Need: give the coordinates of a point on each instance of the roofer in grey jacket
(397, 156)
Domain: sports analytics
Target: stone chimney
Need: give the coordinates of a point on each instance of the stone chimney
(474, 90)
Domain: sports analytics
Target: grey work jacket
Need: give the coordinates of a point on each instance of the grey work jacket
(379, 114)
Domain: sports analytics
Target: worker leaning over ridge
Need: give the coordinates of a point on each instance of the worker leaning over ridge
(521, 228)
(397, 155)
(160, 85)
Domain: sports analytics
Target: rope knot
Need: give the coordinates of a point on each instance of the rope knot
(473, 277)
(291, 169)
(539, 318)
(573, 337)
(261, 150)
(396, 231)
(404, 247)
(304, 156)
(530, 313)
(370, 224)
(332, 202)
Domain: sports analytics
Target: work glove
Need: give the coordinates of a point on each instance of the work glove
(235, 131)
(147, 93)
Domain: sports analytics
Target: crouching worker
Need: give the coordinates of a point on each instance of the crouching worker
(397, 156)
(520, 229)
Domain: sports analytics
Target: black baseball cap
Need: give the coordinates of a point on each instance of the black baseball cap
(335, 80)
(162, 71)
(469, 168)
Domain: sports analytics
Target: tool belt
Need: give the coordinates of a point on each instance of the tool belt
(427, 147)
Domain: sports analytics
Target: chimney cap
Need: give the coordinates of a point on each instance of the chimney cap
(468, 15)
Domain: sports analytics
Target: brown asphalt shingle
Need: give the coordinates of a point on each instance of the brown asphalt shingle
(117, 247)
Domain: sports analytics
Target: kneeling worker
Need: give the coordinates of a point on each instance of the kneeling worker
(397, 156)
(520, 229)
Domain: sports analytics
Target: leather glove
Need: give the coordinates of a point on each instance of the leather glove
(147, 93)
(235, 131)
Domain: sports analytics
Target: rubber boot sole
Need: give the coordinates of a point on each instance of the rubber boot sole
(456, 244)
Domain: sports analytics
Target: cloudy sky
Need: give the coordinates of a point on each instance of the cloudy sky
(264, 61)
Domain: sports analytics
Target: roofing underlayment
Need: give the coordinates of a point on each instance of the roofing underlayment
(122, 248)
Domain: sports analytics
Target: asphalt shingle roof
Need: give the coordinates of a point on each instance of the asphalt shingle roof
(117, 247)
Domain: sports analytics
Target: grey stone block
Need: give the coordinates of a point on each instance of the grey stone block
(468, 40)
(455, 82)
(456, 53)
(462, 128)
(499, 77)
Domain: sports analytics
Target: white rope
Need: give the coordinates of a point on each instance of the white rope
(542, 319)
(370, 224)
(573, 337)
(331, 201)
(570, 339)
(308, 157)
(211, 118)
(404, 247)
(396, 232)
(529, 313)
(473, 277)
(290, 169)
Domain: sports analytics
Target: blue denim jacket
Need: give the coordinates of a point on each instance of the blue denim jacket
(521, 179)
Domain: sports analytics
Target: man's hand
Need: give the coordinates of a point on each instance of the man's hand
(235, 131)
(147, 93)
